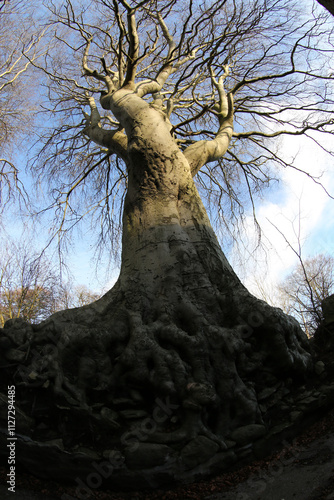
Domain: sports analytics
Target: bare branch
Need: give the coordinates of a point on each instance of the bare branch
(302, 131)
(94, 73)
(120, 53)
(170, 65)
(133, 52)
(10, 184)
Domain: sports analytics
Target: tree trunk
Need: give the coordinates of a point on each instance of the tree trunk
(178, 330)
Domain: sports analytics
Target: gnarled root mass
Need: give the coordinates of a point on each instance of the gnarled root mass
(172, 383)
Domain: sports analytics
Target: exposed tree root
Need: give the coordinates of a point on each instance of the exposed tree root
(212, 373)
(171, 359)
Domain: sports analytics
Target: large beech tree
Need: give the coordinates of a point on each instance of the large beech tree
(174, 94)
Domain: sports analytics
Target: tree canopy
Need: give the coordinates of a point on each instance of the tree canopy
(266, 65)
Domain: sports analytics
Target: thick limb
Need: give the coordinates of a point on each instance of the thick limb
(133, 53)
(110, 80)
(114, 140)
(203, 152)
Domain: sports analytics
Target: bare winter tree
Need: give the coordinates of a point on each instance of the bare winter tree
(31, 287)
(29, 284)
(20, 44)
(303, 291)
(173, 91)
(271, 64)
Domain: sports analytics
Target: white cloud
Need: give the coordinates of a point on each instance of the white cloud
(299, 213)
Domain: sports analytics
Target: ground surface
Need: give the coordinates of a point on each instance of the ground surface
(303, 470)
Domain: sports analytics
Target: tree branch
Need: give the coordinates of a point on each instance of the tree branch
(202, 152)
(243, 135)
(114, 140)
(170, 65)
(94, 73)
(133, 52)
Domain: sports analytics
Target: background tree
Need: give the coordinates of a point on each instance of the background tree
(75, 296)
(303, 290)
(147, 96)
(83, 296)
(31, 287)
(29, 284)
(20, 44)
